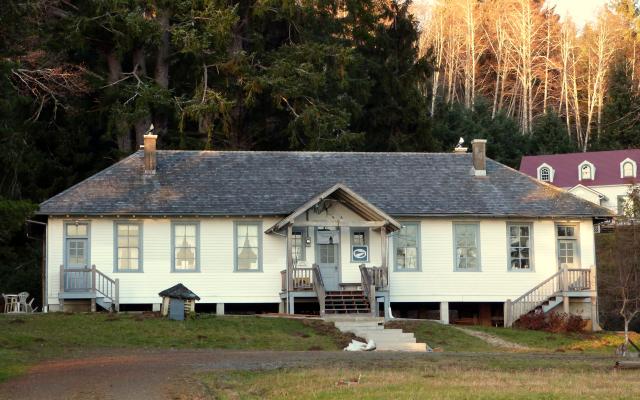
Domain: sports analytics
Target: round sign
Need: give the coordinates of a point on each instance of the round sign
(360, 254)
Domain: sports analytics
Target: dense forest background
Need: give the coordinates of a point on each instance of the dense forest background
(81, 81)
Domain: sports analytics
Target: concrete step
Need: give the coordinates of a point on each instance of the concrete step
(421, 347)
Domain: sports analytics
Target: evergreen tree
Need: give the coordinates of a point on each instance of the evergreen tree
(620, 115)
(550, 136)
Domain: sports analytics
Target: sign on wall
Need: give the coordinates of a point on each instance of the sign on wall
(360, 253)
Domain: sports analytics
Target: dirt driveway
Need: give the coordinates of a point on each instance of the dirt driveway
(161, 374)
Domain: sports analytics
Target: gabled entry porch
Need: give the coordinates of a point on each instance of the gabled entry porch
(336, 253)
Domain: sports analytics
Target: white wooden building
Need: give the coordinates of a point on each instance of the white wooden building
(456, 234)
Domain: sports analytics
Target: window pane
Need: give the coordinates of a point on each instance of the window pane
(406, 244)
(467, 246)
(247, 241)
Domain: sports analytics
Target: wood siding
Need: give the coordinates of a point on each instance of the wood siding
(218, 283)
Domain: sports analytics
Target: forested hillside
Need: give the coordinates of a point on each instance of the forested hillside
(81, 81)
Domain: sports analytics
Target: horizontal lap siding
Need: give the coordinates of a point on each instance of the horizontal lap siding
(216, 281)
(437, 280)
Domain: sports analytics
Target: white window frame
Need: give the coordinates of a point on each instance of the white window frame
(591, 166)
(634, 168)
(552, 172)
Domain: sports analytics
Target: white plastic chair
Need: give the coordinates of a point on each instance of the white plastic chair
(22, 305)
(11, 304)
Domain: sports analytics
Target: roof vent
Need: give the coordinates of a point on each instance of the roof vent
(479, 149)
(150, 151)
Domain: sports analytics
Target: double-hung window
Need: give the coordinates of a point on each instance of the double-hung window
(248, 246)
(186, 246)
(128, 247)
(466, 246)
(520, 247)
(407, 247)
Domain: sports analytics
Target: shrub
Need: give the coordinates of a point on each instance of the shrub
(555, 322)
(535, 321)
(575, 323)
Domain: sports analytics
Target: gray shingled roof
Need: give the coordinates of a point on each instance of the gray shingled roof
(276, 183)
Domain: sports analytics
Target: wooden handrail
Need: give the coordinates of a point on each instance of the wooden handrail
(369, 288)
(93, 280)
(565, 280)
(318, 286)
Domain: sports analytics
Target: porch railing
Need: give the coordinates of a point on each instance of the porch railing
(301, 279)
(369, 287)
(318, 287)
(90, 280)
(564, 281)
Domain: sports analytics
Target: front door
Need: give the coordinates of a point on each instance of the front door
(75, 276)
(328, 258)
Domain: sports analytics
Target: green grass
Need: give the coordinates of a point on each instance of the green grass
(443, 337)
(37, 337)
(438, 377)
(598, 342)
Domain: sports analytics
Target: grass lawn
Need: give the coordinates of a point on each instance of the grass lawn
(31, 338)
(597, 342)
(442, 337)
(435, 377)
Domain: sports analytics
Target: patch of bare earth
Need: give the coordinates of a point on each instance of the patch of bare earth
(494, 340)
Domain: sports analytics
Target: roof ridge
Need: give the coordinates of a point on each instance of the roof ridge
(307, 152)
(580, 152)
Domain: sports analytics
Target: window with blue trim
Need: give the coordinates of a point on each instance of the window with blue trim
(247, 246)
(185, 247)
(128, 237)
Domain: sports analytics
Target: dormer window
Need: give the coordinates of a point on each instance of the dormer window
(586, 171)
(628, 168)
(545, 173)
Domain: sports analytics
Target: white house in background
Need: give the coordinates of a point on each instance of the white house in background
(452, 236)
(602, 177)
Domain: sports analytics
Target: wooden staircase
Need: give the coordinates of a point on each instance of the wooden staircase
(92, 284)
(550, 293)
(346, 302)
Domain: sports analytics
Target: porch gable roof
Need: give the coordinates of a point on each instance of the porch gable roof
(349, 198)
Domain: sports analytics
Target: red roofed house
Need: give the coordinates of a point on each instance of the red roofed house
(602, 177)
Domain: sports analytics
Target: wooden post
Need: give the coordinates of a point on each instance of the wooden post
(290, 267)
(565, 289)
(93, 279)
(507, 313)
(383, 246)
(61, 278)
(117, 299)
(444, 312)
(595, 318)
(61, 301)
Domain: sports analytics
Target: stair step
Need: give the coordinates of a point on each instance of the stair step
(402, 347)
